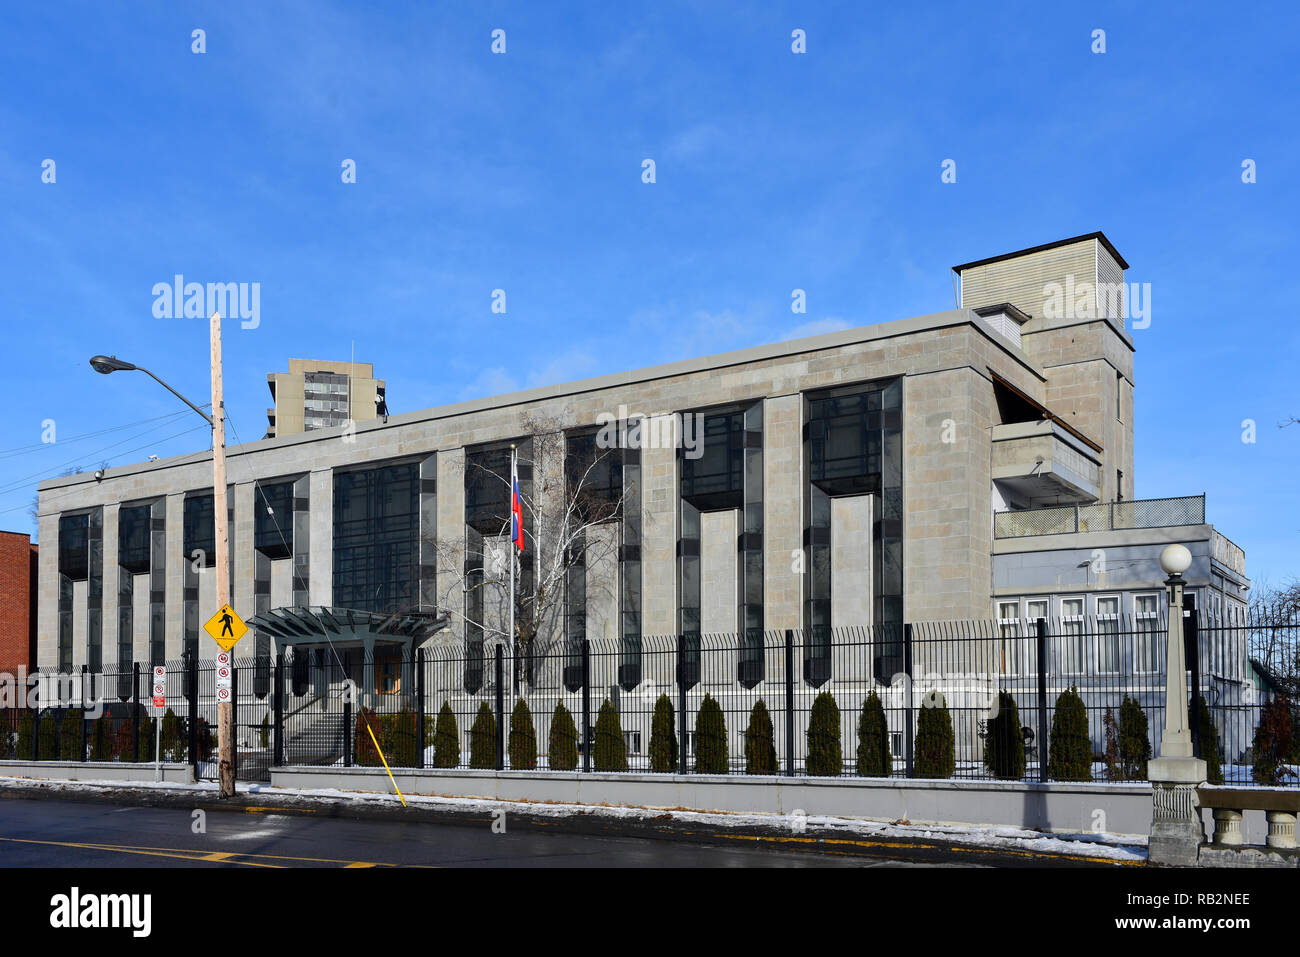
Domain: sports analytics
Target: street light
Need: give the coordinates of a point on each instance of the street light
(1176, 830)
(109, 364)
(1176, 741)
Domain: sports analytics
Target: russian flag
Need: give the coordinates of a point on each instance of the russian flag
(516, 507)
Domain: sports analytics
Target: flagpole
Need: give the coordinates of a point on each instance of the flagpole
(514, 472)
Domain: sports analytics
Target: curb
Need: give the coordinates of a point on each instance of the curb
(813, 839)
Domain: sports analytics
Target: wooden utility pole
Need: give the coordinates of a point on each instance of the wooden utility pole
(225, 715)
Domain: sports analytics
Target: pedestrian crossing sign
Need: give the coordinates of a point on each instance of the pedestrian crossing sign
(225, 627)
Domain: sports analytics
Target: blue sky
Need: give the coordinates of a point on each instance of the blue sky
(522, 172)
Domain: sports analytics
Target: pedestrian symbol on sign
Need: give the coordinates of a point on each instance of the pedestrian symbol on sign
(225, 627)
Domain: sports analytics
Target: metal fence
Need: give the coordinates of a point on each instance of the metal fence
(109, 716)
(1102, 517)
(930, 699)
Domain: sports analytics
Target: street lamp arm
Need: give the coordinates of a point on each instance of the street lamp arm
(206, 418)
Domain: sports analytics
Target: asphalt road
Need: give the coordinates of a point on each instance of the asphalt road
(65, 833)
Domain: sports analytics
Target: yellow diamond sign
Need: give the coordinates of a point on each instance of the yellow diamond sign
(225, 627)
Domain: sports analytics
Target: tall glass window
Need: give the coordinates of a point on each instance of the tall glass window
(74, 566)
(1108, 633)
(133, 538)
(376, 531)
(95, 591)
(854, 446)
(1146, 617)
(1072, 636)
(487, 517)
(273, 519)
(604, 485)
(726, 474)
(1009, 632)
(158, 582)
(200, 529)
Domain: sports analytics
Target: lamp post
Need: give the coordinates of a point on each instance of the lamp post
(110, 364)
(1176, 829)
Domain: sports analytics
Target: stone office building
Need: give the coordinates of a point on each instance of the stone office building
(967, 464)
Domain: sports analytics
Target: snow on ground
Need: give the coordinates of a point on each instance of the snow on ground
(1116, 847)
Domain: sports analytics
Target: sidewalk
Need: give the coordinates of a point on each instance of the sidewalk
(900, 839)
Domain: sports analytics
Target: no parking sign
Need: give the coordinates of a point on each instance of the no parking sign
(160, 687)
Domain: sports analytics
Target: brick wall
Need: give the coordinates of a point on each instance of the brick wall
(17, 601)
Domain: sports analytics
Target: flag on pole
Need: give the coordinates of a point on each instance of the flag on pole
(516, 506)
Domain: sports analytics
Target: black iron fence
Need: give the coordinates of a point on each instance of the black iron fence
(1069, 699)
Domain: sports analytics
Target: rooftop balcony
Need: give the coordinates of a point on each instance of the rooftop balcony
(1110, 516)
(1041, 461)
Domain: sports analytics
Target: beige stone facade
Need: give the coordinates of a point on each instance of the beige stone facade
(959, 377)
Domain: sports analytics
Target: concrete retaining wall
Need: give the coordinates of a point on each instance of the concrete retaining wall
(1055, 807)
(95, 771)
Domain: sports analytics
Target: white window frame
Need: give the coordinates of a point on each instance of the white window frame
(1031, 625)
(1070, 638)
(1140, 618)
(1112, 619)
(1010, 638)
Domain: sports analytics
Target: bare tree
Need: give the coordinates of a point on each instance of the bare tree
(570, 522)
(1274, 617)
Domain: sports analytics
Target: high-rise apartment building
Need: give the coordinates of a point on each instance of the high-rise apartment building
(315, 394)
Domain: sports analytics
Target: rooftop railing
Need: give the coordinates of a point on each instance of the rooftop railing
(1103, 517)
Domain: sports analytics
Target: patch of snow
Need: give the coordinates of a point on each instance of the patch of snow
(1115, 847)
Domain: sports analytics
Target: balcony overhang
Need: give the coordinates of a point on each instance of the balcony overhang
(1041, 463)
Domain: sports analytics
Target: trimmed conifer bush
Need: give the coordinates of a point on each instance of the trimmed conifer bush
(1134, 741)
(174, 743)
(710, 738)
(874, 760)
(483, 739)
(264, 732)
(70, 735)
(523, 738)
(1071, 748)
(1209, 740)
(663, 737)
(1004, 745)
(936, 751)
(48, 734)
(1272, 744)
(562, 753)
(825, 758)
(23, 742)
(446, 739)
(611, 750)
(148, 735)
(101, 739)
(207, 740)
(760, 744)
(1110, 754)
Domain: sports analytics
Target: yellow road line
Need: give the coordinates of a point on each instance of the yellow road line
(178, 854)
(227, 857)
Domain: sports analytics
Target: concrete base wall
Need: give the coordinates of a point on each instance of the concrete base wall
(1061, 808)
(95, 771)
